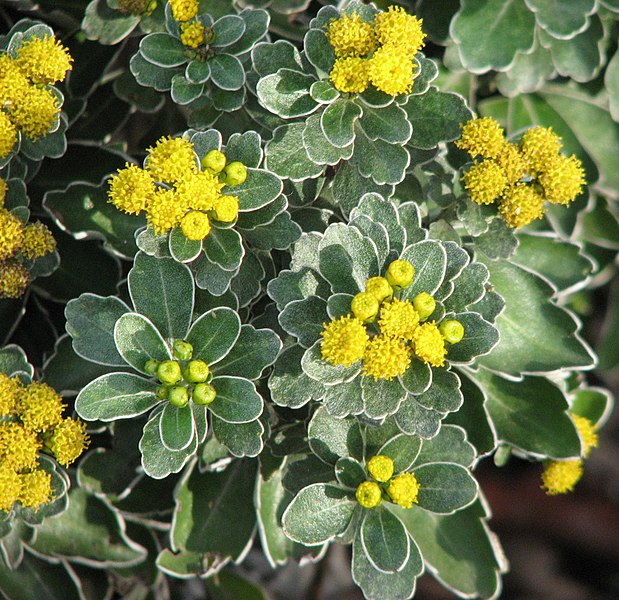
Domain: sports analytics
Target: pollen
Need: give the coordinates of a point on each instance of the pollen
(562, 179)
(368, 494)
(351, 36)
(429, 345)
(588, 434)
(38, 241)
(36, 489)
(350, 75)
(165, 210)
(199, 190)
(485, 182)
(183, 10)
(560, 476)
(131, 189)
(19, 447)
(403, 490)
(10, 389)
(540, 145)
(195, 225)
(68, 441)
(10, 487)
(11, 233)
(391, 71)
(44, 60)
(193, 34)
(171, 160)
(482, 137)
(14, 279)
(40, 407)
(512, 162)
(521, 205)
(343, 341)
(380, 468)
(36, 113)
(226, 209)
(386, 357)
(8, 135)
(398, 319)
(399, 29)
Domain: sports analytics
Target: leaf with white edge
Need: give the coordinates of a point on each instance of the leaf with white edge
(414, 419)
(90, 323)
(280, 234)
(176, 426)
(445, 487)
(242, 439)
(429, 259)
(256, 26)
(286, 156)
(318, 50)
(344, 399)
(237, 400)
(381, 397)
(444, 394)
(198, 71)
(304, 319)
(385, 163)
(338, 122)
(162, 290)
(318, 147)
(562, 20)
(286, 93)
(611, 81)
(323, 92)
(331, 438)
(182, 248)
(211, 277)
(376, 232)
(150, 75)
(338, 305)
(269, 58)
(183, 91)
(349, 186)
(593, 403)
(227, 29)
(385, 540)
(116, 396)
(224, 247)
(320, 370)
(417, 378)
(448, 446)
(403, 450)
(480, 337)
(227, 72)
(389, 124)
(259, 189)
(163, 50)
(349, 472)
(469, 287)
(375, 207)
(246, 148)
(318, 514)
(138, 341)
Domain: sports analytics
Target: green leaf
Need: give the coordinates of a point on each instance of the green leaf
(211, 277)
(284, 158)
(331, 438)
(318, 147)
(611, 81)
(90, 322)
(256, 26)
(259, 189)
(138, 341)
(183, 249)
(105, 25)
(279, 234)
(214, 334)
(470, 287)
(384, 540)
(198, 71)
(269, 58)
(237, 400)
(318, 50)
(227, 72)
(385, 163)
(183, 91)
(381, 397)
(429, 259)
(376, 208)
(519, 418)
(317, 514)
(323, 92)
(286, 93)
(176, 427)
(344, 399)
(296, 285)
(349, 472)
(320, 370)
(224, 247)
(448, 446)
(403, 450)
(116, 396)
(229, 586)
(242, 439)
(414, 419)
(592, 403)
(480, 337)
(498, 241)
(163, 50)
(445, 487)
(349, 186)
(444, 394)
(338, 121)
(304, 319)
(162, 290)
(389, 124)
(562, 20)
(228, 29)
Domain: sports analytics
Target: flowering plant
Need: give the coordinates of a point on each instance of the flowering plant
(299, 270)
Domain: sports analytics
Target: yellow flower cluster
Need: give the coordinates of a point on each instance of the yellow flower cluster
(31, 422)
(193, 33)
(174, 191)
(403, 489)
(379, 53)
(386, 332)
(28, 103)
(183, 10)
(523, 176)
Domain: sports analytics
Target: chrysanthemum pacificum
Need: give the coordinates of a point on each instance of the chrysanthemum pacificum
(183, 10)
(8, 135)
(539, 145)
(44, 60)
(562, 179)
(560, 476)
(171, 160)
(380, 468)
(38, 241)
(10, 388)
(351, 36)
(36, 489)
(350, 75)
(195, 225)
(368, 494)
(364, 306)
(343, 341)
(10, 487)
(391, 71)
(429, 345)
(588, 434)
(482, 137)
(398, 319)
(386, 357)
(520, 205)
(226, 209)
(40, 407)
(165, 210)
(397, 28)
(485, 182)
(19, 447)
(4, 188)
(68, 441)
(13, 83)
(36, 113)
(403, 490)
(14, 279)
(199, 190)
(11, 234)
(193, 34)
(512, 162)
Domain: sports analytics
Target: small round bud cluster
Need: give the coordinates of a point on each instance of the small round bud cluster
(521, 177)
(183, 378)
(174, 189)
(402, 489)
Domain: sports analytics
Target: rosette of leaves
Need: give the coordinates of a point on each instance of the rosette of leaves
(328, 269)
(210, 78)
(372, 133)
(234, 256)
(109, 332)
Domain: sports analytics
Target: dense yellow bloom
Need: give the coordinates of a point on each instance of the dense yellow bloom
(485, 182)
(350, 75)
(10, 388)
(351, 36)
(165, 210)
(364, 306)
(379, 287)
(4, 188)
(397, 28)
(44, 60)
(36, 113)
(8, 135)
(226, 209)
(380, 468)
(562, 179)
(131, 189)
(171, 160)
(38, 241)
(386, 357)
(19, 447)
(195, 225)
(403, 490)
(10, 487)
(588, 434)
(391, 71)
(343, 341)
(36, 489)
(482, 137)
(560, 476)
(368, 494)
(192, 34)
(13, 279)
(68, 441)
(539, 145)
(13, 83)
(429, 345)
(199, 190)
(183, 10)
(40, 407)
(11, 233)
(398, 319)
(520, 205)
(512, 162)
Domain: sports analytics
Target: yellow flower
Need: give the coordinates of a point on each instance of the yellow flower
(520, 205)
(40, 407)
(13, 279)
(512, 162)
(380, 468)
(391, 71)
(11, 233)
(13, 83)
(351, 36)
(485, 182)
(368, 494)
(386, 357)
(36, 113)
(192, 34)
(38, 241)
(350, 75)
(19, 447)
(131, 189)
(165, 210)
(200, 190)
(429, 345)
(424, 304)
(10, 388)
(482, 137)
(171, 160)
(343, 341)
(560, 476)
(8, 135)
(562, 179)
(183, 10)
(398, 319)
(400, 273)
(10, 487)
(396, 27)
(364, 306)
(68, 441)
(540, 145)
(4, 188)
(44, 60)
(195, 225)
(403, 490)
(36, 489)
(379, 287)
(588, 433)
(226, 209)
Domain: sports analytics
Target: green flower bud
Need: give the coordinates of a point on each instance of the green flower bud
(379, 287)
(196, 371)
(161, 393)
(365, 306)
(169, 372)
(235, 173)
(400, 274)
(451, 330)
(369, 494)
(203, 393)
(214, 161)
(182, 350)
(424, 305)
(151, 366)
(179, 396)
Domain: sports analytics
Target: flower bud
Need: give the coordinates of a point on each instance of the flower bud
(380, 468)
(379, 287)
(400, 274)
(451, 330)
(368, 494)
(203, 394)
(179, 396)
(161, 392)
(424, 305)
(365, 306)
(150, 367)
(196, 371)
(214, 161)
(235, 173)
(169, 372)
(182, 350)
